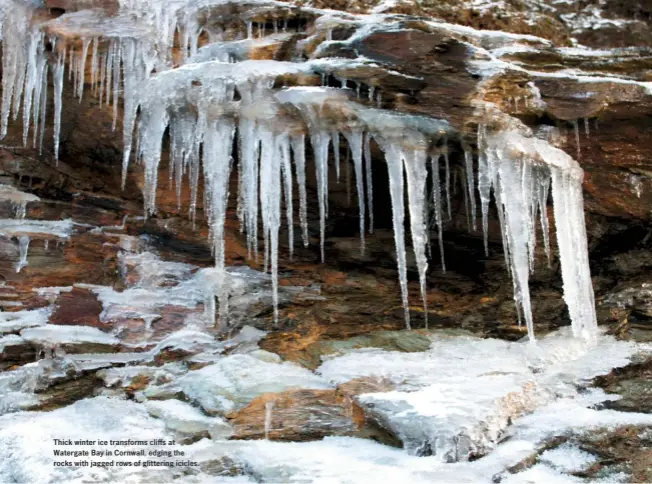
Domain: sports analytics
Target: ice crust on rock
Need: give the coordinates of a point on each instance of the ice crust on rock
(27, 441)
(52, 335)
(185, 419)
(456, 399)
(14, 322)
(18, 199)
(162, 283)
(234, 380)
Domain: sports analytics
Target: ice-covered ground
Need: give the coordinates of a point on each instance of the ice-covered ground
(464, 395)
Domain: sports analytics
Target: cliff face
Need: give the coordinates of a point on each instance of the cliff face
(575, 74)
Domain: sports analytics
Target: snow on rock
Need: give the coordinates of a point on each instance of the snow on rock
(189, 341)
(455, 400)
(567, 458)
(74, 339)
(185, 419)
(362, 461)
(542, 473)
(61, 229)
(128, 375)
(18, 199)
(161, 283)
(27, 442)
(14, 322)
(235, 380)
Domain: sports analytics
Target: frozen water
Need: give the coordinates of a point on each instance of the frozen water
(235, 380)
(52, 335)
(520, 169)
(456, 399)
(56, 228)
(568, 458)
(18, 199)
(13, 322)
(219, 91)
(183, 418)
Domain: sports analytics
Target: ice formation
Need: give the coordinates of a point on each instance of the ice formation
(211, 100)
(520, 170)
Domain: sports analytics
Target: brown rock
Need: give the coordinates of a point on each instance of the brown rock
(301, 415)
(77, 307)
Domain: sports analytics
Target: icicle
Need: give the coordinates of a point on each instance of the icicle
(586, 127)
(134, 74)
(109, 72)
(40, 97)
(347, 176)
(32, 82)
(43, 103)
(395, 169)
(416, 175)
(484, 184)
(249, 154)
(23, 245)
(335, 139)
(299, 151)
(511, 174)
(117, 57)
(58, 74)
(218, 139)
(379, 100)
(94, 63)
(436, 196)
(465, 193)
(320, 142)
(82, 67)
(370, 193)
(46, 244)
(250, 29)
(468, 160)
(521, 189)
(286, 172)
(573, 251)
(270, 201)
(355, 140)
(154, 120)
(543, 213)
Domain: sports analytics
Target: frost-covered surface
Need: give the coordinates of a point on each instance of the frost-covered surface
(52, 334)
(56, 228)
(27, 445)
(346, 459)
(233, 381)
(456, 399)
(14, 322)
(184, 418)
(161, 284)
(567, 458)
(17, 199)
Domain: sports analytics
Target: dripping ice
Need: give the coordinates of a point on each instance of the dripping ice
(123, 57)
